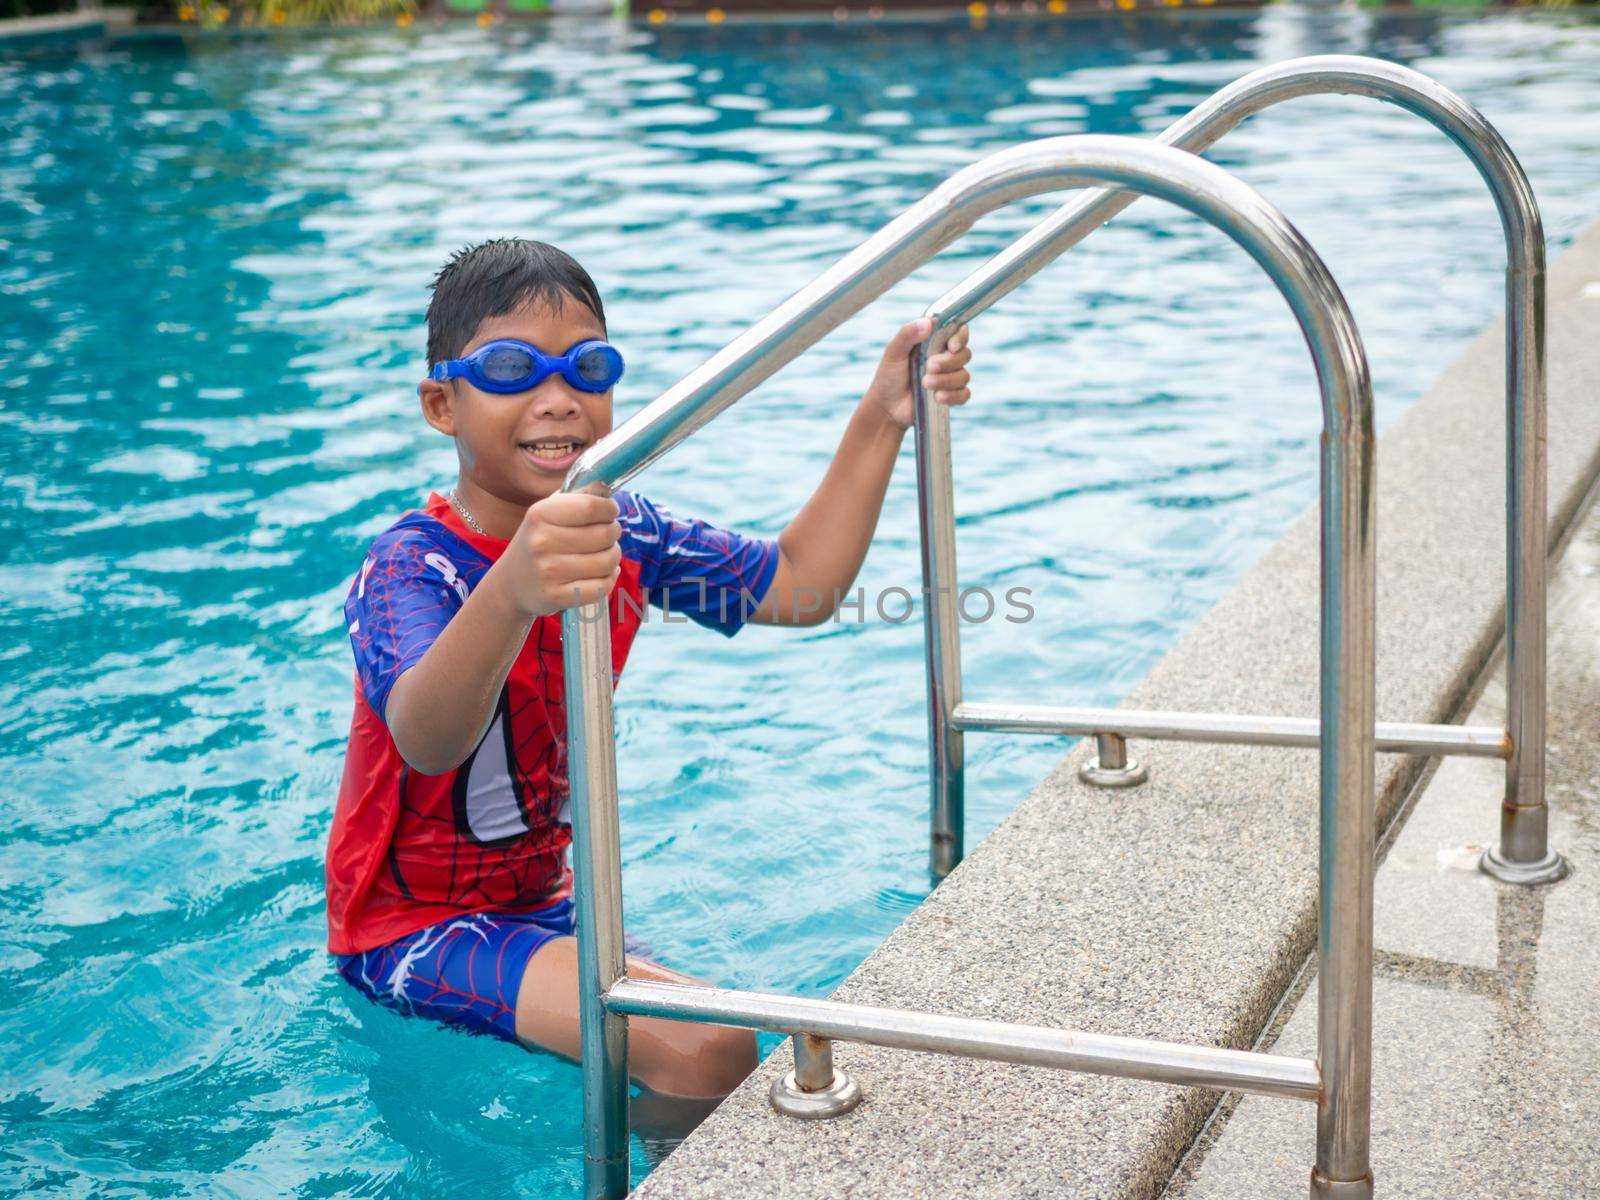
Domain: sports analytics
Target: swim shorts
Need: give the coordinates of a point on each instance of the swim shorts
(464, 970)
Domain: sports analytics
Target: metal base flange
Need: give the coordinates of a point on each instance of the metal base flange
(838, 1098)
(1546, 870)
(1340, 1189)
(1131, 775)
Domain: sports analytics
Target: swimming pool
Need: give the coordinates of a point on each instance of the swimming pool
(212, 259)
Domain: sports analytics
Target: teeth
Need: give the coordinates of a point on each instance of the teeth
(556, 451)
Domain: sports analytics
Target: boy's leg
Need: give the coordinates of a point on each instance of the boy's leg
(671, 1058)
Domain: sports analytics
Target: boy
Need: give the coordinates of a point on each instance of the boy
(448, 890)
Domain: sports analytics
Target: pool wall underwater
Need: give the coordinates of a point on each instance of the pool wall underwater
(1183, 909)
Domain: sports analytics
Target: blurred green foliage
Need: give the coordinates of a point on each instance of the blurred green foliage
(33, 8)
(213, 13)
(293, 12)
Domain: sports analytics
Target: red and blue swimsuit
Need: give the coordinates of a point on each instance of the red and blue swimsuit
(441, 887)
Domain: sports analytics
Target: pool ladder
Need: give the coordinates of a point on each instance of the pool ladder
(1338, 1081)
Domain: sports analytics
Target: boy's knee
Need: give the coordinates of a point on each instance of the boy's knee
(730, 1058)
(711, 1062)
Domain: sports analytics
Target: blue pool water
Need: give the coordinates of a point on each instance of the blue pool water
(212, 266)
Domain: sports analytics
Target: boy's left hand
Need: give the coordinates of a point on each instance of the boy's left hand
(945, 376)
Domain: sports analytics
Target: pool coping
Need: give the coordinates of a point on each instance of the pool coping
(1183, 909)
(134, 22)
(83, 24)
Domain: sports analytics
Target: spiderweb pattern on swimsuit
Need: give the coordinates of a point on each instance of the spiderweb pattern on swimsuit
(408, 849)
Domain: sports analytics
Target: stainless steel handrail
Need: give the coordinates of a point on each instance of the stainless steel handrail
(1523, 855)
(1343, 1065)
(1472, 741)
(965, 1037)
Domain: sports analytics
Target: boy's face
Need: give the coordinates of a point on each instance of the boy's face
(518, 447)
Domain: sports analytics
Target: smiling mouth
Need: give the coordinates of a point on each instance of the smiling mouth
(552, 450)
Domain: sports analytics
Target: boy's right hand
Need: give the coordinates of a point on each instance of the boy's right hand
(565, 553)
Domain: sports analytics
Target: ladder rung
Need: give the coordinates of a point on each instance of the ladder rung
(1478, 741)
(1094, 1053)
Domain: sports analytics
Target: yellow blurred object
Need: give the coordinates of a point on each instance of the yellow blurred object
(279, 16)
(1057, 6)
(486, 18)
(185, 13)
(403, 20)
(715, 16)
(977, 10)
(219, 15)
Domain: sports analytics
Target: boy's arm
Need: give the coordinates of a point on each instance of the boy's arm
(822, 548)
(564, 552)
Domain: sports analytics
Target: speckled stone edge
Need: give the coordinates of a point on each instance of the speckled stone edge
(1484, 1006)
(1184, 908)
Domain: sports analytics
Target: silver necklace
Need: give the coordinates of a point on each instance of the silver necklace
(465, 515)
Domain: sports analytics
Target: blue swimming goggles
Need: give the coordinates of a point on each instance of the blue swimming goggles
(506, 365)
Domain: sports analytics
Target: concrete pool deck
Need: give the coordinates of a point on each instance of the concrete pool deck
(1484, 1001)
(1185, 909)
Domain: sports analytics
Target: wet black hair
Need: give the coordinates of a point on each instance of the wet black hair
(498, 277)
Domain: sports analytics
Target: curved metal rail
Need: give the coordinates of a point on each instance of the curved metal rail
(1523, 854)
(1343, 1066)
